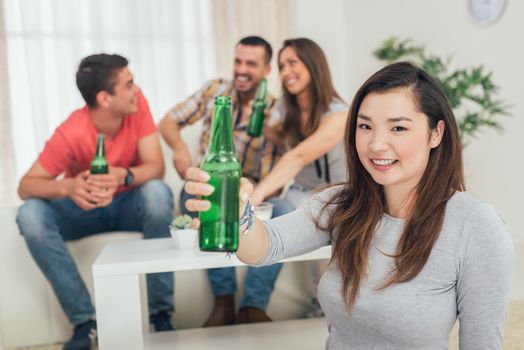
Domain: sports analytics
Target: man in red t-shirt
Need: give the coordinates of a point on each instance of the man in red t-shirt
(130, 197)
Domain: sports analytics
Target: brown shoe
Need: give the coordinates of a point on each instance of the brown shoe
(250, 314)
(223, 312)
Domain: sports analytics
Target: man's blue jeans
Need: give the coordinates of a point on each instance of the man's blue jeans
(259, 282)
(46, 224)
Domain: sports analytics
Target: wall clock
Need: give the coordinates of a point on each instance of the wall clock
(486, 11)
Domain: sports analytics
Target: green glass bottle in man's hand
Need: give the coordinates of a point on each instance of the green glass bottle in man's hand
(102, 186)
(256, 119)
(99, 163)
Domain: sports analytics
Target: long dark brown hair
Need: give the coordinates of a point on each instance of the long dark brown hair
(320, 88)
(360, 205)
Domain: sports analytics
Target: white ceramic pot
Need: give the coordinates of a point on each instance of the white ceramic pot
(185, 238)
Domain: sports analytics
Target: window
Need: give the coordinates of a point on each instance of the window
(169, 45)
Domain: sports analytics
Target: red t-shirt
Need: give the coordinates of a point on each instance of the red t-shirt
(73, 144)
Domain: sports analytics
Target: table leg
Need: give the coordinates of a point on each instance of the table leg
(118, 312)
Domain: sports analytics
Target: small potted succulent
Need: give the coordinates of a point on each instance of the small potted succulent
(183, 235)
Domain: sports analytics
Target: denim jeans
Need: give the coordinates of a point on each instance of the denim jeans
(259, 282)
(47, 224)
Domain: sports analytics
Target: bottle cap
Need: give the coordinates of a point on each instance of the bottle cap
(223, 100)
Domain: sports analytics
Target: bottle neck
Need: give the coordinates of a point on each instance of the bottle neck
(221, 140)
(262, 91)
(100, 147)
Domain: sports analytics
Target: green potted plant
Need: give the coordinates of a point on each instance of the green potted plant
(183, 235)
(471, 91)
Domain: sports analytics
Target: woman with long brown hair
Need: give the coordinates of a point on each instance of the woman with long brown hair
(311, 115)
(412, 251)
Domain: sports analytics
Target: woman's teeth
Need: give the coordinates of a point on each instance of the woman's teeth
(384, 162)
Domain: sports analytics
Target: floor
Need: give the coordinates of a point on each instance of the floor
(513, 334)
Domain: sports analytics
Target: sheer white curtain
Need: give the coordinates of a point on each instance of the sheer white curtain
(7, 187)
(169, 44)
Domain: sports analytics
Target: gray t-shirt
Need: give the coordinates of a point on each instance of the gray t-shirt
(314, 175)
(467, 276)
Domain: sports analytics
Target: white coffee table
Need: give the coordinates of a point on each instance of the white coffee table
(116, 274)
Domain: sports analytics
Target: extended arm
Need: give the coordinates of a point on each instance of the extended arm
(329, 133)
(272, 240)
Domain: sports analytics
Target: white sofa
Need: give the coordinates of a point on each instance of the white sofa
(30, 313)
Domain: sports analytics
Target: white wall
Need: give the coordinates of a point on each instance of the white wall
(350, 30)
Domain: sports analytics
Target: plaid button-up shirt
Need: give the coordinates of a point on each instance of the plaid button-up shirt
(256, 154)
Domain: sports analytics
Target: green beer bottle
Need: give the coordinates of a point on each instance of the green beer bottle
(99, 163)
(256, 119)
(219, 225)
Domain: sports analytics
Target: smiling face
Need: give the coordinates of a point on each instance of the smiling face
(393, 139)
(249, 68)
(293, 72)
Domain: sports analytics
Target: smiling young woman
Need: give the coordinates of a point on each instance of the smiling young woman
(412, 250)
(313, 117)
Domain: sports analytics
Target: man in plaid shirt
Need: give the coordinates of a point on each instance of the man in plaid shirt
(257, 156)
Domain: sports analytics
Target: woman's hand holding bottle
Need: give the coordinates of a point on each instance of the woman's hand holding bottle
(196, 184)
